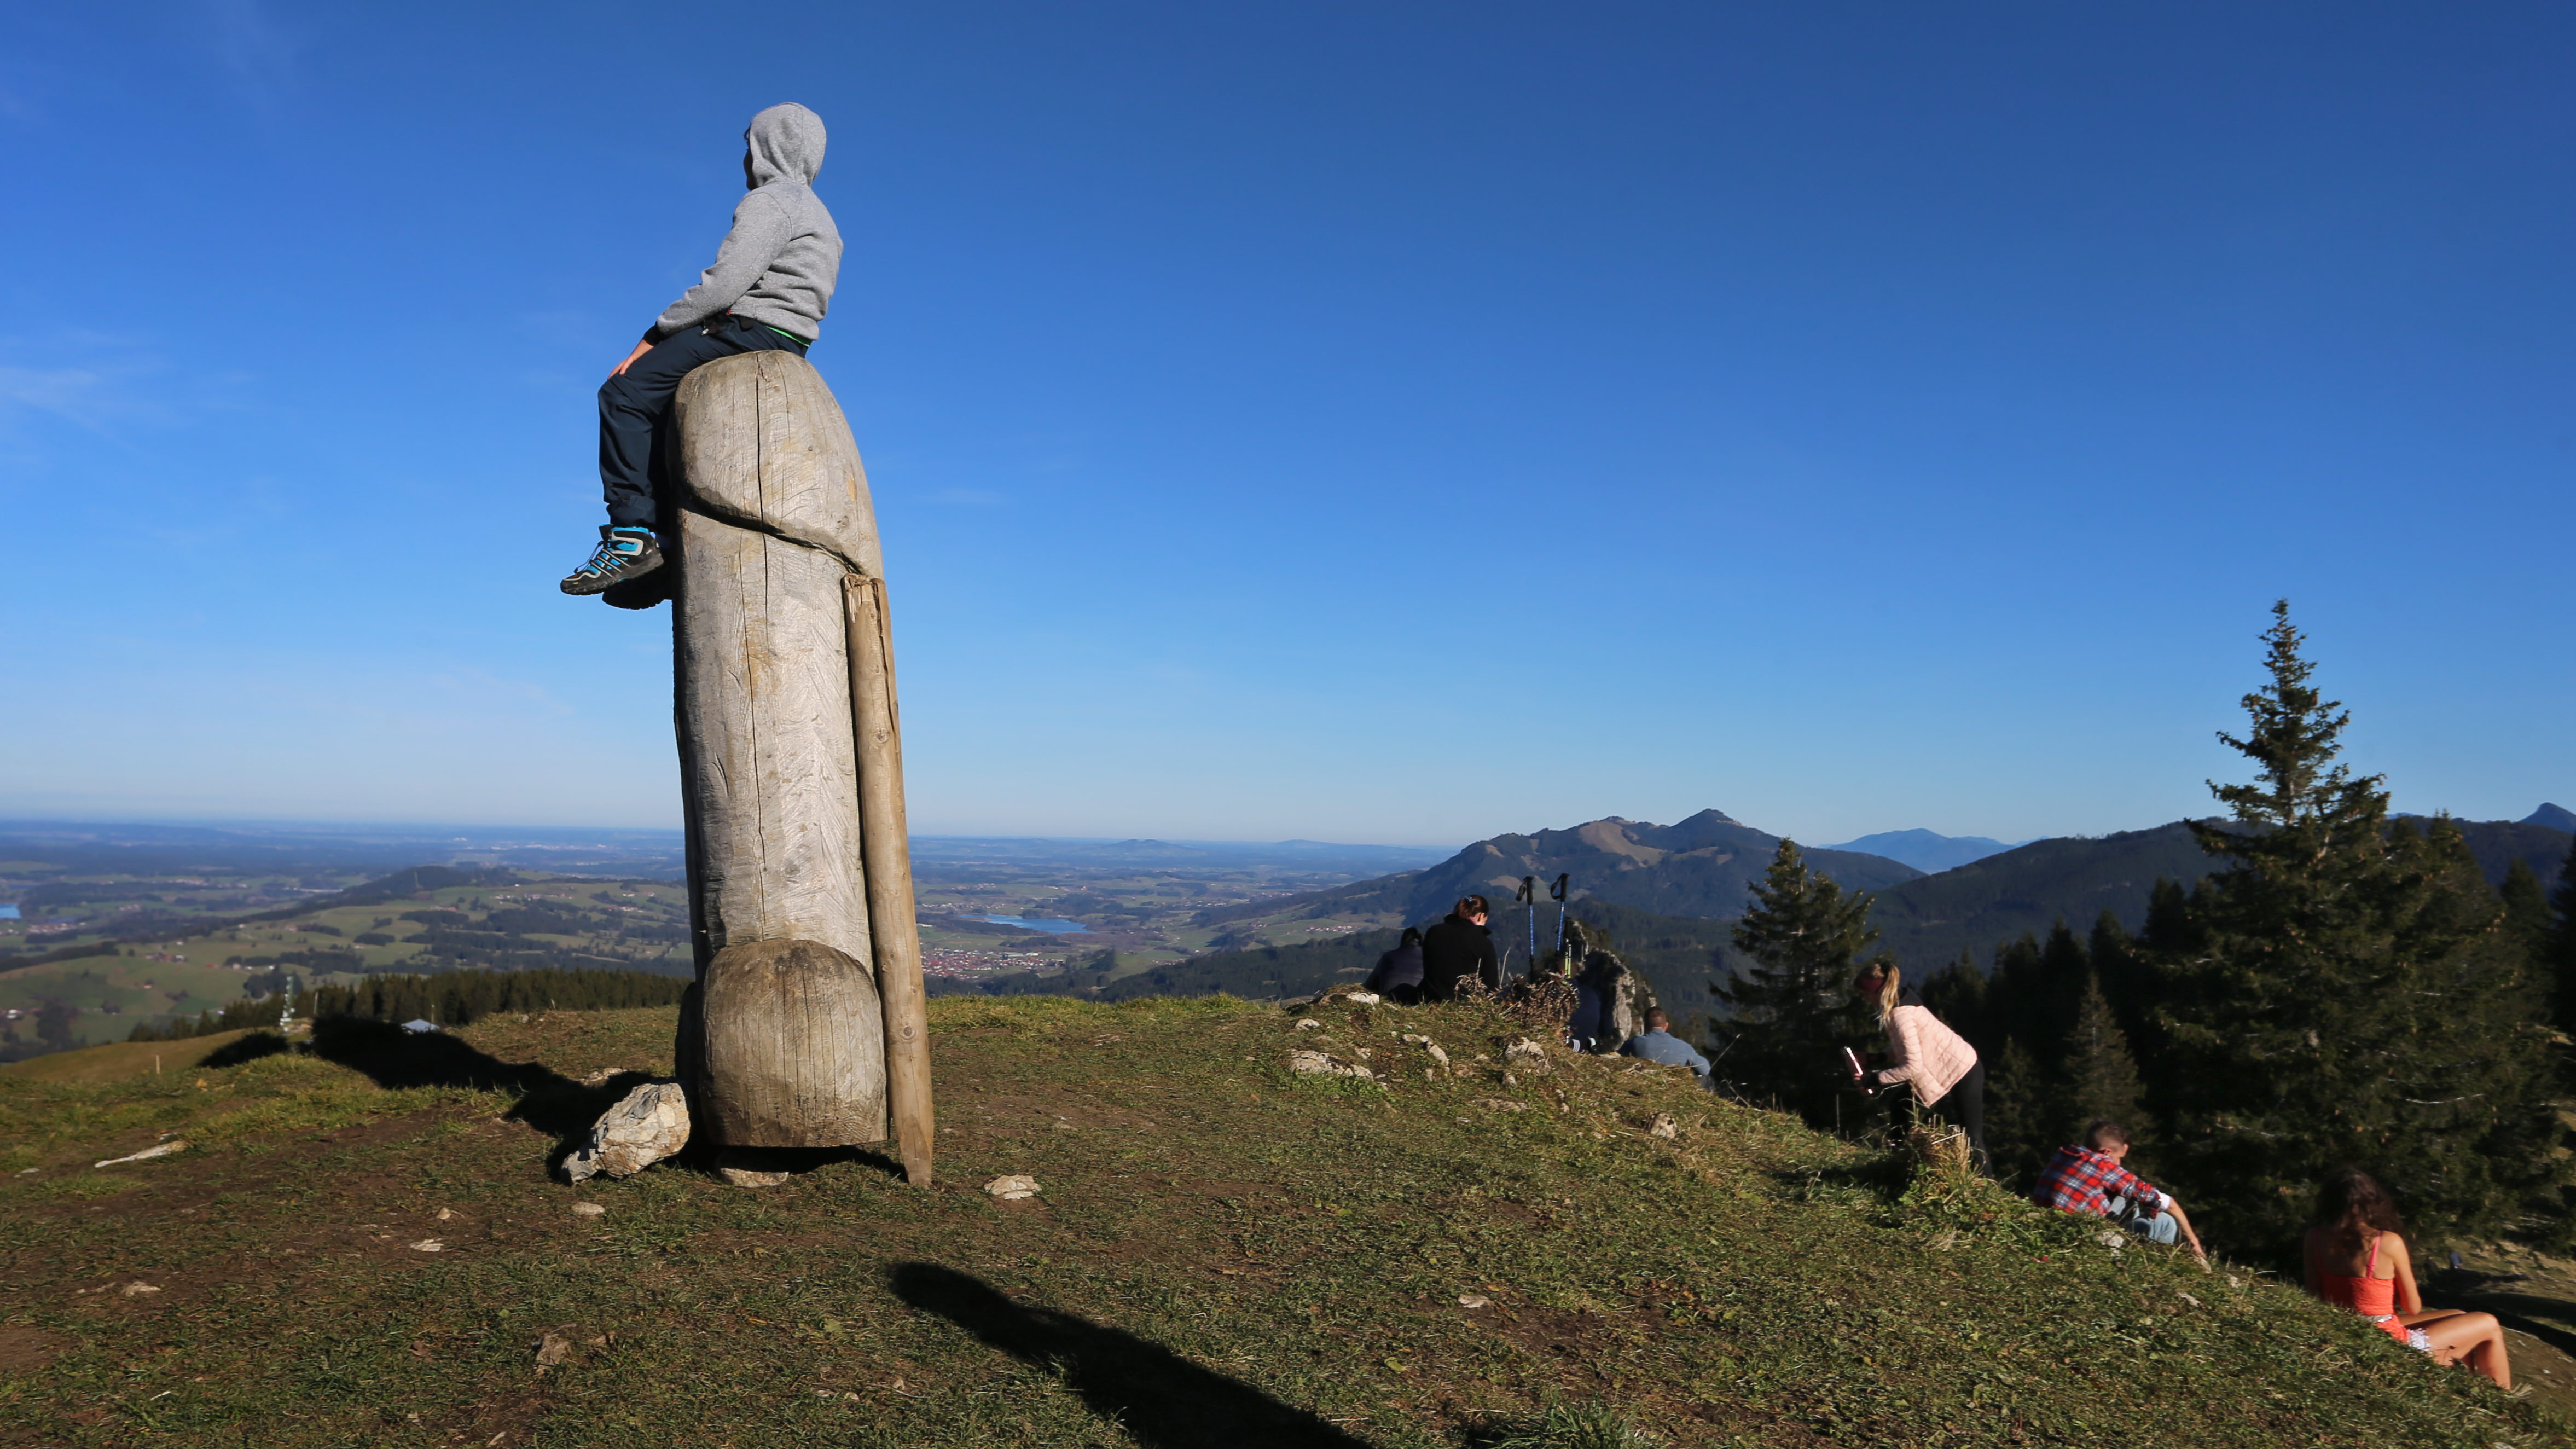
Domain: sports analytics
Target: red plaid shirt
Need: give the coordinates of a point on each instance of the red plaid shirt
(2080, 1180)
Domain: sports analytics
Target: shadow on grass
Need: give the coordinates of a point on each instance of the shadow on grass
(245, 1049)
(548, 1101)
(1162, 1399)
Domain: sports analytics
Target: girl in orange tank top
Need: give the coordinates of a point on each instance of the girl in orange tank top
(2354, 1227)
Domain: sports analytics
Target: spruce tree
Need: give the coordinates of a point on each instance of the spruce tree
(2338, 996)
(2527, 916)
(2101, 1076)
(1793, 1006)
(2020, 1132)
(2557, 961)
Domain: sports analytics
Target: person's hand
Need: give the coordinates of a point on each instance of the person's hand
(640, 349)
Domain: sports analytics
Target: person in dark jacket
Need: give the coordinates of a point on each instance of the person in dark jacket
(1398, 976)
(1458, 948)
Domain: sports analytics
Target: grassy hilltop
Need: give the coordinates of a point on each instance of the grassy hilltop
(1222, 1254)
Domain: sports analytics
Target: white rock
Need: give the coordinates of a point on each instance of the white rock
(137, 1290)
(1474, 1300)
(1364, 998)
(598, 1078)
(751, 1177)
(1013, 1188)
(1527, 1055)
(446, 1213)
(651, 1123)
(1662, 1125)
(587, 1210)
(1501, 1104)
(1309, 1024)
(552, 1350)
(2112, 1238)
(146, 1155)
(1325, 1064)
(429, 1245)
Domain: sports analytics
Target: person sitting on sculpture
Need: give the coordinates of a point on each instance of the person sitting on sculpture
(1398, 976)
(1658, 1044)
(2090, 1180)
(1460, 949)
(767, 290)
(2354, 1235)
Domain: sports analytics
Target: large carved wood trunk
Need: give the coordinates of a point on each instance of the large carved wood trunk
(798, 949)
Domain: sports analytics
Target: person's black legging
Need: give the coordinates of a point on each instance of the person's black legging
(1966, 1100)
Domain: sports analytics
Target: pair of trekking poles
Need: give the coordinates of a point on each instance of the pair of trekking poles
(1528, 895)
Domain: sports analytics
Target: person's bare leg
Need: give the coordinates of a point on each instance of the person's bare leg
(2476, 1338)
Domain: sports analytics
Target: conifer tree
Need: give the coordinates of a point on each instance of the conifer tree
(1793, 1006)
(2557, 961)
(2344, 999)
(2527, 915)
(2019, 1132)
(2101, 1076)
(1957, 994)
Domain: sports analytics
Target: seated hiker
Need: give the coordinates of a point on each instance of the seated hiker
(1458, 949)
(766, 291)
(2352, 1239)
(1937, 1061)
(1398, 976)
(2089, 1179)
(1658, 1044)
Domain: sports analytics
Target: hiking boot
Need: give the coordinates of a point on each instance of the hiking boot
(653, 589)
(623, 553)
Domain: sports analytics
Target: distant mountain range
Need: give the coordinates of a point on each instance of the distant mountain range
(1924, 850)
(1699, 867)
(2556, 817)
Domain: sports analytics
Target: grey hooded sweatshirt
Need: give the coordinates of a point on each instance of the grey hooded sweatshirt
(777, 266)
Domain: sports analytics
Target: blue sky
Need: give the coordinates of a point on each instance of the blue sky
(1363, 422)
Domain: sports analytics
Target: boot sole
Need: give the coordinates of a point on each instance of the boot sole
(581, 587)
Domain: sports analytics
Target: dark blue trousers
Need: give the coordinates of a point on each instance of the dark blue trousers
(636, 449)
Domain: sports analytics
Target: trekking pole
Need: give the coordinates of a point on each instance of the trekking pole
(1557, 893)
(1527, 895)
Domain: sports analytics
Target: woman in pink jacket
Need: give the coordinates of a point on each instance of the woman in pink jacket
(1938, 1061)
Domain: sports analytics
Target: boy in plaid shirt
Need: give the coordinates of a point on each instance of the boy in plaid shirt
(2090, 1180)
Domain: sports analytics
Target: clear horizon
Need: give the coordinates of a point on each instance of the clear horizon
(1340, 423)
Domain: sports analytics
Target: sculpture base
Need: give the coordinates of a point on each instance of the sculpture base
(790, 1049)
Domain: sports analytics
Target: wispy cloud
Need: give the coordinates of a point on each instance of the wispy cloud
(253, 50)
(98, 382)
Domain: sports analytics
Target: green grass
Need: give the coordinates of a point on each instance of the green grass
(1222, 1254)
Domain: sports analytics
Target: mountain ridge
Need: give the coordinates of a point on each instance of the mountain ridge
(1698, 866)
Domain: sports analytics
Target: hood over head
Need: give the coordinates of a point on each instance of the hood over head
(786, 144)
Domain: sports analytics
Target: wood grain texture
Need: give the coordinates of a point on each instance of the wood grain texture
(887, 840)
(774, 516)
(768, 771)
(764, 444)
(794, 1054)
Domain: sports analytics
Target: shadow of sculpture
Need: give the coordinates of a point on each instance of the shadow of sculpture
(245, 1049)
(1162, 1399)
(547, 1100)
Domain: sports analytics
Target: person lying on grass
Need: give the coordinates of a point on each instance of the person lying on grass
(2089, 1179)
(2353, 1236)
